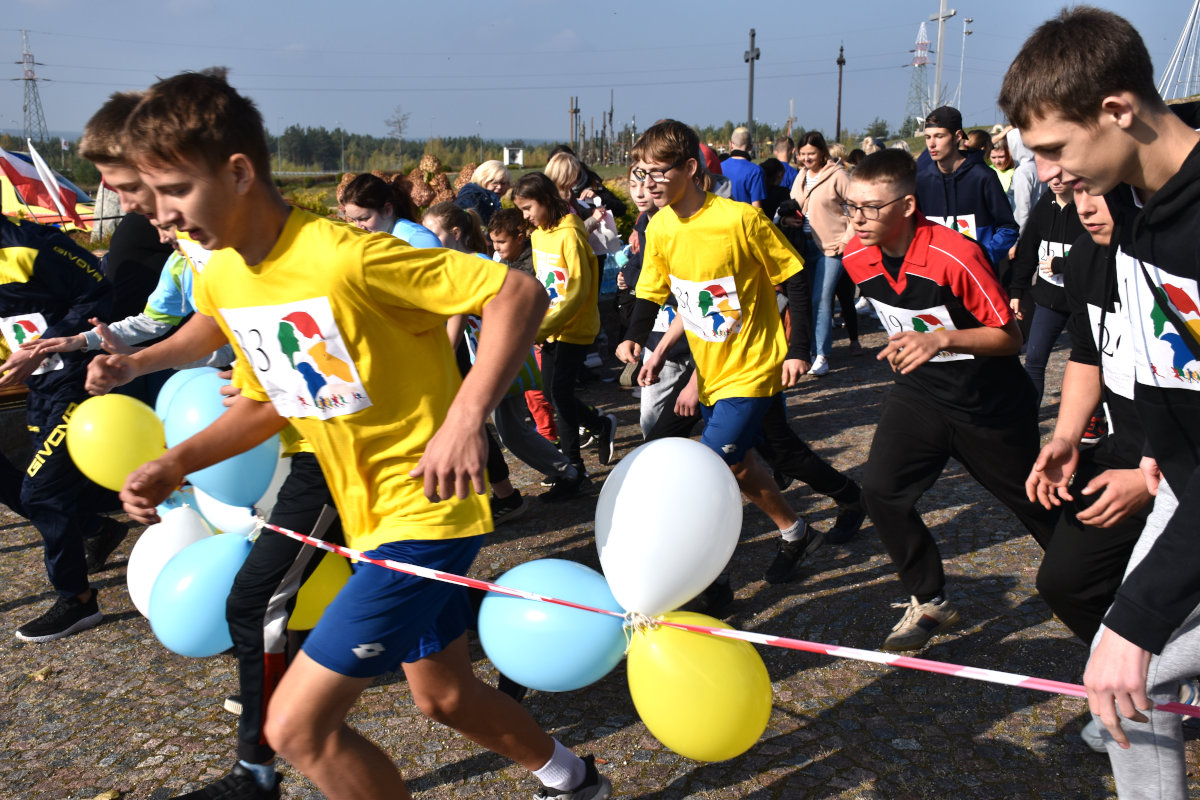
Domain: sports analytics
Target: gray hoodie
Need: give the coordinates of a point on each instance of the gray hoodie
(1025, 189)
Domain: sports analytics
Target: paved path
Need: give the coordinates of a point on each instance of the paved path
(111, 709)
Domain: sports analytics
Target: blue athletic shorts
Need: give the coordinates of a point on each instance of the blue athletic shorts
(383, 618)
(733, 426)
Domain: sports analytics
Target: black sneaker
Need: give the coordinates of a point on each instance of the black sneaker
(565, 488)
(712, 600)
(507, 509)
(68, 615)
(849, 519)
(239, 784)
(586, 437)
(781, 480)
(792, 554)
(233, 704)
(594, 787)
(606, 435)
(98, 548)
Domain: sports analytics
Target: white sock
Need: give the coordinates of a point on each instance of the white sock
(794, 533)
(564, 770)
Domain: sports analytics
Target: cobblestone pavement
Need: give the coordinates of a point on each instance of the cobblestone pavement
(112, 710)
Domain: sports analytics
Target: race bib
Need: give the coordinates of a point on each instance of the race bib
(1116, 353)
(963, 223)
(25, 328)
(896, 320)
(551, 274)
(299, 357)
(1051, 250)
(711, 309)
(1161, 354)
(666, 315)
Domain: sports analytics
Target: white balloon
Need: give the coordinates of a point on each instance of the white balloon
(266, 503)
(667, 521)
(238, 520)
(156, 546)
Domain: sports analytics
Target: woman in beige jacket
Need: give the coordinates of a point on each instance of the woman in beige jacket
(819, 190)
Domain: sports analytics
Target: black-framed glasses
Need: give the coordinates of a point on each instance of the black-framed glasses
(657, 175)
(868, 212)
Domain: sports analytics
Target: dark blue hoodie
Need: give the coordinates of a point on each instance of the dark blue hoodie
(969, 200)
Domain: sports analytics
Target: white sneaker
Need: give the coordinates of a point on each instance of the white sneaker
(820, 366)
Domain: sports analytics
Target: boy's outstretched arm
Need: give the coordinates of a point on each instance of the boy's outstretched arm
(247, 423)
(908, 350)
(198, 337)
(454, 459)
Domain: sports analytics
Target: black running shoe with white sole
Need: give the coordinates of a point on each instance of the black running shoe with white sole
(791, 554)
(67, 616)
(594, 787)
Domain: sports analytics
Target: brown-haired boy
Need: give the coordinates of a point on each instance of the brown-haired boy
(200, 146)
(1082, 92)
(721, 260)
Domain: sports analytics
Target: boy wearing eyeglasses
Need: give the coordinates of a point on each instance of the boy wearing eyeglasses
(721, 260)
(960, 390)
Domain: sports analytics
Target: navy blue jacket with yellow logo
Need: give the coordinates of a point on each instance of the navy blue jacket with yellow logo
(49, 286)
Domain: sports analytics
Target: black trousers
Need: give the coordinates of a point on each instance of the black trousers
(264, 595)
(61, 503)
(561, 364)
(1083, 566)
(913, 441)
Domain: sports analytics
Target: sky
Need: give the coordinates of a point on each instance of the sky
(507, 70)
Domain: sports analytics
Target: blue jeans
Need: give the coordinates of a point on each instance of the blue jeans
(826, 271)
(1043, 333)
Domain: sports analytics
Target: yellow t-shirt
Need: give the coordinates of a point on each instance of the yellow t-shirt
(566, 267)
(344, 332)
(722, 264)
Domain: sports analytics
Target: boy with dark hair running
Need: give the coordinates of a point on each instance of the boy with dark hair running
(1082, 92)
(314, 350)
(960, 391)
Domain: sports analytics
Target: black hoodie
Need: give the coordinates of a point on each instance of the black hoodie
(1158, 245)
(1049, 233)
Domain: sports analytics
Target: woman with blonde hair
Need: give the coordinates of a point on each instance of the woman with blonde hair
(573, 183)
(489, 182)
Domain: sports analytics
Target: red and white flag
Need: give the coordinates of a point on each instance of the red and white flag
(37, 185)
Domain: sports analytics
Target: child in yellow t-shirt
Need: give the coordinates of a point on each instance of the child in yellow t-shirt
(567, 268)
(402, 454)
(721, 260)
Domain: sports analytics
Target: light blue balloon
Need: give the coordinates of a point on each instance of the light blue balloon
(166, 394)
(237, 481)
(187, 603)
(547, 646)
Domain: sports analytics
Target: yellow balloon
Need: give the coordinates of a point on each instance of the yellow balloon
(318, 591)
(110, 436)
(706, 697)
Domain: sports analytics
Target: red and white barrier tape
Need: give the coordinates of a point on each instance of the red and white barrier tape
(908, 662)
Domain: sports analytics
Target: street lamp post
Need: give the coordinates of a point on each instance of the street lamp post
(962, 61)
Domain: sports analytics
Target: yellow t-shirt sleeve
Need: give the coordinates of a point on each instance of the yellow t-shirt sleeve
(654, 283)
(772, 249)
(434, 280)
(575, 252)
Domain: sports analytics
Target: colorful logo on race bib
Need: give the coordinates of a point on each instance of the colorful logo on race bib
(1190, 314)
(23, 331)
(296, 331)
(714, 305)
(927, 323)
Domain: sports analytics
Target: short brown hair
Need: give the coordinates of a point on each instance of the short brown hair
(509, 221)
(1071, 63)
(888, 166)
(104, 134)
(197, 115)
(667, 142)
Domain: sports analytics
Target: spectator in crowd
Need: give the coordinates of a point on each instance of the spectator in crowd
(745, 175)
(489, 182)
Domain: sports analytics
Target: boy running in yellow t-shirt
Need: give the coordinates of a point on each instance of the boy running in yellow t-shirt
(402, 453)
(721, 260)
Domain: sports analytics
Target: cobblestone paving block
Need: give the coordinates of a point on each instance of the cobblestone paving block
(111, 709)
